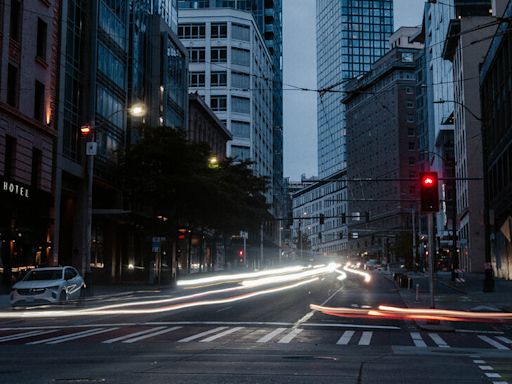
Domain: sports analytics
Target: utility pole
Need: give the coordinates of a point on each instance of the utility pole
(261, 246)
(414, 250)
(430, 216)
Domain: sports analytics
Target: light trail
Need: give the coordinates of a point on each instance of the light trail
(367, 276)
(46, 314)
(397, 313)
(237, 277)
(342, 275)
(320, 270)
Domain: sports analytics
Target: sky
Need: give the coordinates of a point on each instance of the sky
(299, 60)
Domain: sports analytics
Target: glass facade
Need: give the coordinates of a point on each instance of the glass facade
(351, 36)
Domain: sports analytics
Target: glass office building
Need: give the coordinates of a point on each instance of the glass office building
(351, 36)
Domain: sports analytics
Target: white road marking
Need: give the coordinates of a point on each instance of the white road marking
(358, 326)
(504, 339)
(199, 335)
(345, 338)
(129, 336)
(219, 335)
(24, 335)
(479, 362)
(148, 335)
(223, 309)
(492, 342)
(69, 335)
(309, 315)
(271, 335)
(418, 340)
(366, 337)
(290, 336)
(438, 340)
(499, 382)
(492, 374)
(486, 368)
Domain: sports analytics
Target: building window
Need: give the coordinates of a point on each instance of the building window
(408, 90)
(10, 157)
(41, 39)
(410, 104)
(192, 31)
(240, 80)
(241, 129)
(412, 161)
(410, 131)
(196, 55)
(37, 157)
(240, 153)
(218, 79)
(240, 104)
(218, 103)
(197, 79)
(412, 146)
(219, 30)
(39, 101)
(241, 32)
(12, 85)
(15, 20)
(410, 118)
(241, 57)
(219, 55)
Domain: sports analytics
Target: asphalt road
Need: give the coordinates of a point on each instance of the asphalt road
(271, 338)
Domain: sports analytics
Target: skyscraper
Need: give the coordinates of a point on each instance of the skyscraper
(351, 36)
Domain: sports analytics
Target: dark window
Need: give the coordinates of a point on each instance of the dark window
(191, 31)
(219, 55)
(10, 157)
(196, 55)
(37, 157)
(218, 103)
(218, 79)
(15, 20)
(41, 39)
(12, 85)
(219, 30)
(197, 79)
(39, 101)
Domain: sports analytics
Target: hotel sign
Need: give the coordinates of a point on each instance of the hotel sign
(15, 189)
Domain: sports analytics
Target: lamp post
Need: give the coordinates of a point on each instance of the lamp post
(91, 149)
(489, 275)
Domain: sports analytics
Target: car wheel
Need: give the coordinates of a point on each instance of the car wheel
(63, 298)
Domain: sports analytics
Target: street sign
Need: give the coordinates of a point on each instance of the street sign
(91, 148)
(155, 244)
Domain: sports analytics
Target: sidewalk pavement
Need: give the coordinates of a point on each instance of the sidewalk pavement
(463, 296)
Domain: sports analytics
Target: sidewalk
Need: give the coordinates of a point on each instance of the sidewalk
(462, 296)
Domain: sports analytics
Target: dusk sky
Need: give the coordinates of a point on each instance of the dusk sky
(300, 140)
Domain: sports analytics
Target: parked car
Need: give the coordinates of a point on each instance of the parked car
(48, 285)
(371, 264)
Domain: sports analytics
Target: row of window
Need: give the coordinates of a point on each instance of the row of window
(220, 55)
(13, 92)
(219, 79)
(10, 162)
(217, 31)
(238, 104)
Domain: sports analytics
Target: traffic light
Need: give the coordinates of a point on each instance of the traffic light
(240, 253)
(429, 192)
(322, 219)
(343, 218)
(86, 130)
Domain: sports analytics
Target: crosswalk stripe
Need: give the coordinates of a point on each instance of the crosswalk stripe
(199, 335)
(504, 339)
(345, 338)
(219, 335)
(124, 337)
(97, 332)
(290, 336)
(366, 337)
(86, 333)
(23, 335)
(438, 340)
(492, 342)
(148, 335)
(271, 335)
(418, 340)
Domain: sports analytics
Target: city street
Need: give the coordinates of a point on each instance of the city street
(271, 338)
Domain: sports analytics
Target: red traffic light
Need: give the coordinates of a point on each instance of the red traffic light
(428, 181)
(86, 129)
(429, 192)
(241, 253)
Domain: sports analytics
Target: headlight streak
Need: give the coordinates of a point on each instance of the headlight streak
(239, 276)
(367, 276)
(287, 278)
(397, 313)
(342, 275)
(45, 314)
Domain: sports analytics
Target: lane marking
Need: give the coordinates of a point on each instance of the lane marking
(504, 339)
(345, 338)
(69, 335)
(479, 362)
(418, 340)
(223, 309)
(358, 326)
(199, 335)
(499, 382)
(438, 340)
(148, 335)
(366, 338)
(271, 335)
(486, 368)
(492, 374)
(219, 335)
(129, 336)
(492, 342)
(24, 335)
(81, 336)
(309, 315)
(290, 336)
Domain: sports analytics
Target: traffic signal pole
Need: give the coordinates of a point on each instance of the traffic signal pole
(430, 216)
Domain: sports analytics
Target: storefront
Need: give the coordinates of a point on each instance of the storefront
(25, 226)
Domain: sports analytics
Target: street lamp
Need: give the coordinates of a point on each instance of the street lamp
(89, 134)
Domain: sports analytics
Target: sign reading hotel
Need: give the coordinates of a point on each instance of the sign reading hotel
(15, 189)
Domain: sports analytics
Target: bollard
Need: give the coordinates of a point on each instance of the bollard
(417, 292)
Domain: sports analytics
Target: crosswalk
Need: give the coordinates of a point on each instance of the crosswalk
(110, 334)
